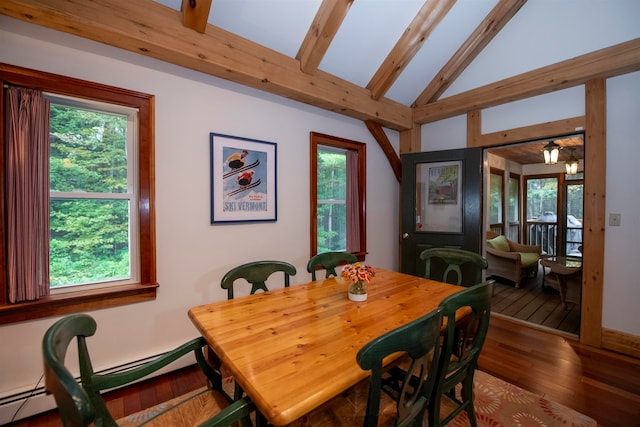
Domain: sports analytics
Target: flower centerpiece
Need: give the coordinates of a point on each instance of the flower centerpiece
(358, 275)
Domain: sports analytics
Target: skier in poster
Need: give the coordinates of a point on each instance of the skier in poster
(244, 178)
(236, 160)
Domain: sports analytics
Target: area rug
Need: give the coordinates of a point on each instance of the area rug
(499, 403)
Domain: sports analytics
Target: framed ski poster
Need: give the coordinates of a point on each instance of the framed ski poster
(243, 179)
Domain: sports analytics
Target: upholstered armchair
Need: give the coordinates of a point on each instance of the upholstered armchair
(510, 260)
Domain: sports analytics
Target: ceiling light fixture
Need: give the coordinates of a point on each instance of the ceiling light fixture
(572, 163)
(551, 151)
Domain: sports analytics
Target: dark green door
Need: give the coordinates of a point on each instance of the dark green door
(441, 203)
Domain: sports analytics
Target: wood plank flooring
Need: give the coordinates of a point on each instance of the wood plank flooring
(535, 304)
(598, 383)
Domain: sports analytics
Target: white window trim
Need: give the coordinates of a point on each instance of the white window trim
(131, 194)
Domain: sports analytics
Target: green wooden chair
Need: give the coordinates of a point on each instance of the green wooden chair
(329, 261)
(461, 346)
(80, 403)
(419, 340)
(455, 266)
(256, 273)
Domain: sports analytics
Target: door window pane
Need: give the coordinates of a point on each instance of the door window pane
(438, 197)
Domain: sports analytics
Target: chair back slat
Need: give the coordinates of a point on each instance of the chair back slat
(256, 273)
(455, 266)
(329, 261)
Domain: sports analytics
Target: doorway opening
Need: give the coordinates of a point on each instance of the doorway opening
(540, 205)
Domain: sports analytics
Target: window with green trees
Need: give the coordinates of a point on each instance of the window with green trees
(332, 199)
(91, 192)
(101, 204)
(337, 195)
(542, 197)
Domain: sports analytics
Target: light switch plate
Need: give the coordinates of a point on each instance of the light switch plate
(614, 219)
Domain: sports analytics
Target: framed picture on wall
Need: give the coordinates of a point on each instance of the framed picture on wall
(443, 185)
(243, 179)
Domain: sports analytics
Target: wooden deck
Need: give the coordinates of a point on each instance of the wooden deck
(533, 304)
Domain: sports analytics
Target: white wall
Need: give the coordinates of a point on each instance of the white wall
(193, 255)
(622, 244)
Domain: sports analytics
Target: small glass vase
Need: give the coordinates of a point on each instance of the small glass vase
(358, 291)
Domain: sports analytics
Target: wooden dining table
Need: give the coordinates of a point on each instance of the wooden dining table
(293, 349)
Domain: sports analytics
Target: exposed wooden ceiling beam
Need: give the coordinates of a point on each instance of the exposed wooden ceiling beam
(325, 25)
(427, 19)
(195, 14)
(604, 63)
(151, 29)
(394, 160)
(478, 40)
(552, 129)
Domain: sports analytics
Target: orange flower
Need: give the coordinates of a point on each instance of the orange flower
(356, 272)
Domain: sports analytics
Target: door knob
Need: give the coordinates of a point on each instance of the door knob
(405, 235)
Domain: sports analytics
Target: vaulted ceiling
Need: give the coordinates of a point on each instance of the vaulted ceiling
(391, 63)
(394, 49)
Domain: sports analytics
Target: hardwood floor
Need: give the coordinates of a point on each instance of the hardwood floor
(601, 384)
(598, 383)
(535, 304)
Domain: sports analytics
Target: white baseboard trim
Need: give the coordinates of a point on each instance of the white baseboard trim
(32, 401)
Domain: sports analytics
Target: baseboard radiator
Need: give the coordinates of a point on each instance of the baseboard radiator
(32, 401)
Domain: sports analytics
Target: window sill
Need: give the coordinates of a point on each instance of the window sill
(360, 255)
(75, 302)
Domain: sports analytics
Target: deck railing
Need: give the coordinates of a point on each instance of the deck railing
(543, 234)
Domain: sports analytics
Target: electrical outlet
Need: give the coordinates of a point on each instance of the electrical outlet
(614, 219)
